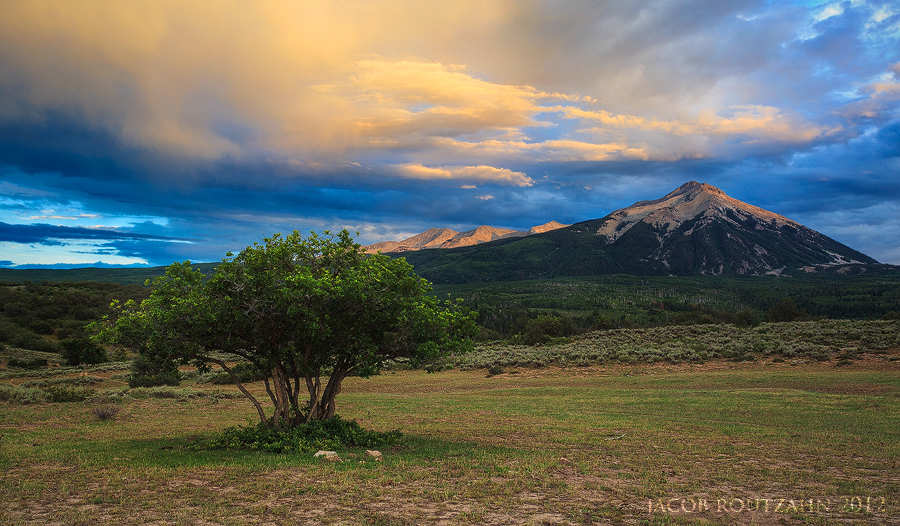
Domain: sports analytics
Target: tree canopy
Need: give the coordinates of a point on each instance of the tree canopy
(305, 311)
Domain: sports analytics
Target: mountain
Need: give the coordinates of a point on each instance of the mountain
(447, 238)
(697, 229)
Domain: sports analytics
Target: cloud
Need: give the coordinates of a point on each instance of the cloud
(223, 121)
(482, 173)
(50, 234)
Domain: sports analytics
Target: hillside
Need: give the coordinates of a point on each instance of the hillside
(695, 230)
(447, 238)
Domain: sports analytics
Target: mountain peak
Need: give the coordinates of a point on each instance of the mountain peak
(446, 238)
(692, 189)
(695, 229)
(689, 202)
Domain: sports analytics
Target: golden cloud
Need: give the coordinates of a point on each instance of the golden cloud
(479, 174)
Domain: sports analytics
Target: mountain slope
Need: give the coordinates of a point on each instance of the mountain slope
(696, 229)
(447, 238)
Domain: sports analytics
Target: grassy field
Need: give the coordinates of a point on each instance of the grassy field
(714, 443)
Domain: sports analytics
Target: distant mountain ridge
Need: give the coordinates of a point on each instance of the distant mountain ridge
(447, 238)
(694, 230)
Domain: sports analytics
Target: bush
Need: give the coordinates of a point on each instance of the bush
(37, 363)
(544, 328)
(22, 395)
(785, 310)
(146, 372)
(33, 342)
(246, 372)
(106, 411)
(330, 434)
(67, 393)
(78, 351)
(746, 318)
(164, 391)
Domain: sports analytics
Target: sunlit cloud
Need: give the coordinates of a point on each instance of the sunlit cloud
(227, 120)
(490, 174)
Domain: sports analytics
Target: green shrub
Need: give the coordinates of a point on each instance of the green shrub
(544, 328)
(246, 372)
(42, 327)
(150, 373)
(33, 342)
(78, 351)
(746, 318)
(67, 393)
(331, 434)
(22, 395)
(36, 363)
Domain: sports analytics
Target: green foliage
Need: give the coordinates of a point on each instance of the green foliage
(821, 340)
(151, 371)
(47, 393)
(78, 351)
(70, 381)
(33, 313)
(785, 310)
(35, 363)
(330, 434)
(245, 372)
(301, 309)
(543, 329)
(22, 395)
(67, 393)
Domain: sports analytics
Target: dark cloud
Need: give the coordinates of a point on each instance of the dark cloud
(667, 61)
(50, 234)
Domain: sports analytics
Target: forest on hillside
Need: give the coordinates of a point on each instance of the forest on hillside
(41, 316)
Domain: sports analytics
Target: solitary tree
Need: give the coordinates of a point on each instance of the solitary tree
(307, 312)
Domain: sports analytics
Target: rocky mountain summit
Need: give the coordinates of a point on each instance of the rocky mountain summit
(697, 228)
(447, 238)
(694, 230)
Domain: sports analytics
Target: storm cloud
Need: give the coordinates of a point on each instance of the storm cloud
(150, 132)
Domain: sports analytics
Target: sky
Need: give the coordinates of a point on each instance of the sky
(153, 131)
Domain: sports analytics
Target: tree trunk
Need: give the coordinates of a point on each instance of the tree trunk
(240, 386)
(282, 416)
(313, 386)
(327, 404)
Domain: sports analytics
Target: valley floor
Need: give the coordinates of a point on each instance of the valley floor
(716, 443)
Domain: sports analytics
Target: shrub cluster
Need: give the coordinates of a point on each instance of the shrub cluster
(147, 372)
(35, 363)
(818, 340)
(22, 395)
(332, 434)
(246, 372)
(30, 313)
(78, 351)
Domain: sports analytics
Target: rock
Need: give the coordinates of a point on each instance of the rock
(330, 456)
(376, 455)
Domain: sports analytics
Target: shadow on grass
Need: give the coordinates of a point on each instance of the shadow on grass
(191, 452)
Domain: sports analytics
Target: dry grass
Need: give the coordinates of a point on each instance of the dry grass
(598, 445)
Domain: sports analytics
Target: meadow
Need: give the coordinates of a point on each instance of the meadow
(765, 440)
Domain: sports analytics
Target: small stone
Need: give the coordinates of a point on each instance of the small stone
(328, 455)
(374, 454)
